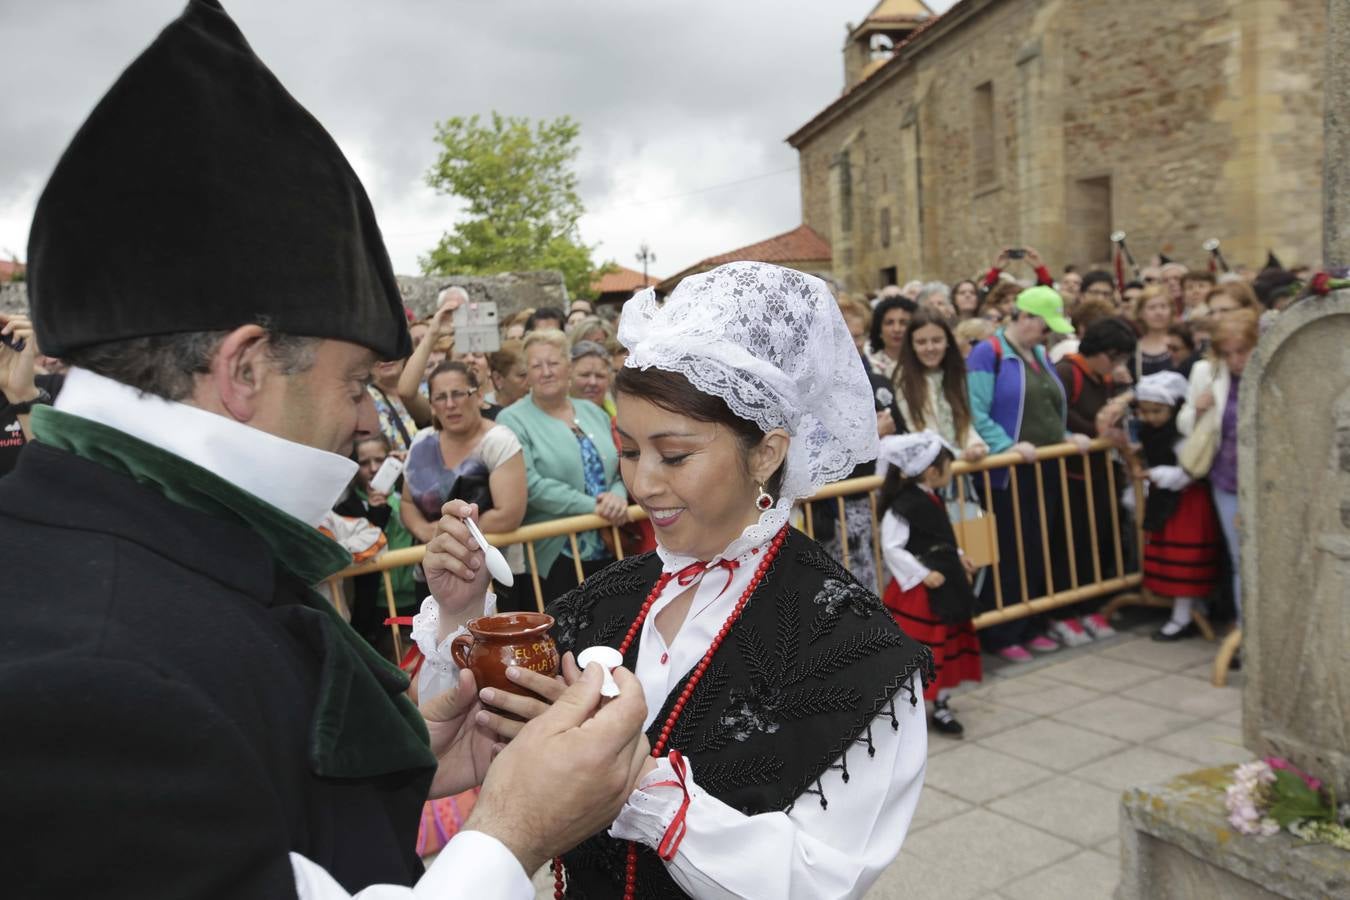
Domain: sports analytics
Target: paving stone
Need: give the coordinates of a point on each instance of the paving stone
(1170, 656)
(1066, 807)
(1099, 673)
(1204, 671)
(1086, 876)
(912, 878)
(1212, 743)
(1134, 767)
(991, 848)
(984, 718)
(936, 806)
(1111, 846)
(1014, 683)
(1054, 697)
(977, 775)
(1053, 744)
(1129, 720)
(1232, 717)
(1182, 694)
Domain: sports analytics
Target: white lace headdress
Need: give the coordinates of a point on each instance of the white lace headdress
(772, 344)
(912, 453)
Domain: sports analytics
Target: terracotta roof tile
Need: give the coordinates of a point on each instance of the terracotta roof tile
(799, 244)
(622, 279)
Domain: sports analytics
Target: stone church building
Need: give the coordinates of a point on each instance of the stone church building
(1053, 123)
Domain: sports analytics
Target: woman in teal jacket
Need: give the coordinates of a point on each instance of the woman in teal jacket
(571, 466)
(1017, 403)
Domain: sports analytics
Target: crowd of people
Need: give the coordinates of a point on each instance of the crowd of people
(990, 365)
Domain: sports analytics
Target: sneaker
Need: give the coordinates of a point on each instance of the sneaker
(1070, 632)
(944, 721)
(1098, 627)
(1015, 654)
(1042, 644)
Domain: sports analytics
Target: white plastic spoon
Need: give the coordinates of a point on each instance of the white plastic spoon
(496, 563)
(609, 660)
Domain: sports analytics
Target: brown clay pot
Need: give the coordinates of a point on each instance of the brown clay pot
(495, 643)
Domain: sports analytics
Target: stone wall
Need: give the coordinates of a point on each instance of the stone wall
(512, 291)
(1174, 120)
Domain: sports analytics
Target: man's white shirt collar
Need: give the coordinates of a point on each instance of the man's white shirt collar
(302, 481)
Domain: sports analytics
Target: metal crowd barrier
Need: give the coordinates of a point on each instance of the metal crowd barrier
(978, 536)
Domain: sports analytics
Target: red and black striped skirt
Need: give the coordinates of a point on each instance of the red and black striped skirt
(956, 649)
(1182, 559)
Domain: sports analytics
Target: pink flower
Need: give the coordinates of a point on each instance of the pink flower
(1279, 762)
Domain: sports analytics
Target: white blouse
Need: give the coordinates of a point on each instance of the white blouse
(809, 852)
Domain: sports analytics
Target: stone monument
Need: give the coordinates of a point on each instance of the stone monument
(1294, 497)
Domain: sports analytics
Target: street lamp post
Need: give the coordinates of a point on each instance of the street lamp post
(645, 256)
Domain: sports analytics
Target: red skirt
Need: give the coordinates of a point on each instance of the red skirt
(1182, 559)
(956, 649)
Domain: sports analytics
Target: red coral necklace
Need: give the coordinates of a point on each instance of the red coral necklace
(630, 873)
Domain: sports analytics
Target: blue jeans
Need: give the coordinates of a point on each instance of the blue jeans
(1227, 506)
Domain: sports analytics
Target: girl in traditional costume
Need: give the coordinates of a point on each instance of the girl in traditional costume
(930, 593)
(1181, 528)
(788, 744)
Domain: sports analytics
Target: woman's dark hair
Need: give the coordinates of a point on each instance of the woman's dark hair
(453, 365)
(957, 286)
(1096, 277)
(894, 482)
(912, 381)
(672, 392)
(1113, 336)
(879, 315)
(1183, 331)
(545, 312)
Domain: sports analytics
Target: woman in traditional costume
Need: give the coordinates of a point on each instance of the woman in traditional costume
(788, 743)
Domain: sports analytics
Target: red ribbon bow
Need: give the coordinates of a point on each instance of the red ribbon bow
(690, 573)
(675, 832)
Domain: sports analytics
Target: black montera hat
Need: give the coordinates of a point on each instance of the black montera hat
(200, 196)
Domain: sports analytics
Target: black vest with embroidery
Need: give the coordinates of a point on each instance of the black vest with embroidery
(932, 541)
(797, 682)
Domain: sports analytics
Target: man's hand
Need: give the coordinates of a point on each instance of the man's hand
(16, 366)
(463, 748)
(568, 773)
(612, 508)
(456, 570)
(1026, 450)
(1081, 441)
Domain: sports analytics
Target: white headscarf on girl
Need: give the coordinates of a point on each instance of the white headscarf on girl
(912, 453)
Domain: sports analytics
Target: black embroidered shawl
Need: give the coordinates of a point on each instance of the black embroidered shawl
(798, 681)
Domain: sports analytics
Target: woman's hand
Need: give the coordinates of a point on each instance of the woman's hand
(975, 452)
(1026, 449)
(17, 366)
(612, 508)
(1205, 401)
(934, 579)
(885, 423)
(375, 498)
(1034, 258)
(456, 571)
(1081, 441)
(969, 566)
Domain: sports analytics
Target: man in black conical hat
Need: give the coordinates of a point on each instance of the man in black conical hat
(183, 715)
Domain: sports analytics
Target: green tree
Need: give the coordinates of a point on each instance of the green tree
(521, 194)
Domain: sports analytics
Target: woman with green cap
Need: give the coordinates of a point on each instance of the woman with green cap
(1018, 403)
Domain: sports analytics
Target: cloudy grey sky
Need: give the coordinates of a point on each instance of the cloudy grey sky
(683, 106)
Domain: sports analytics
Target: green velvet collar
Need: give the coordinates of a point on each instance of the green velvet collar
(363, 723)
